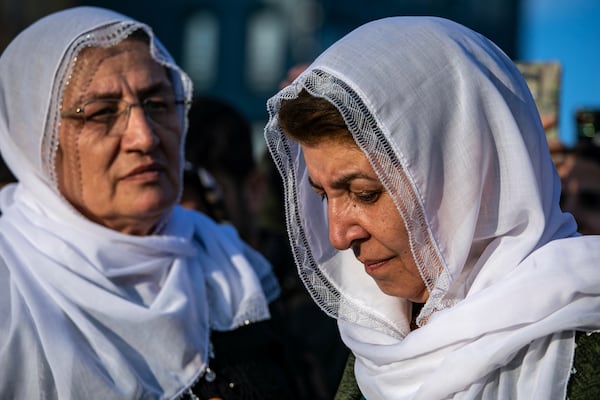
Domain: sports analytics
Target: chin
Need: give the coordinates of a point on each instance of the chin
(150, 208)
(391, 290)
(413, 296)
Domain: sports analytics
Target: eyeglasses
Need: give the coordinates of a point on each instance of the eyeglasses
(105, 115)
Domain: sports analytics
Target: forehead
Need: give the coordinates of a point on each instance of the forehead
(107, 69)
(329, 160)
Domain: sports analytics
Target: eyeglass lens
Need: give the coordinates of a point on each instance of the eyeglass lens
(112, 115)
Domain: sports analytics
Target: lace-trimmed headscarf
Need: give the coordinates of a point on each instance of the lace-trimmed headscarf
(450, 128)
(86, 311)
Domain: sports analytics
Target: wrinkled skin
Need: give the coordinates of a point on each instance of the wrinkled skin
(124, 180)
(362, 216)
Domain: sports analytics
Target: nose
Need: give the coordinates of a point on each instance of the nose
(345, 229)
(138, 133)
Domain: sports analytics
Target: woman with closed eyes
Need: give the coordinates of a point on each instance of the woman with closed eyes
(423, 210)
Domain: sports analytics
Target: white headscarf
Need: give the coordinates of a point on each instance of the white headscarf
(450, 128)
(85, 311)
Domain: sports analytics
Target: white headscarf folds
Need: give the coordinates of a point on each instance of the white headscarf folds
(85, 311)
(450, 127)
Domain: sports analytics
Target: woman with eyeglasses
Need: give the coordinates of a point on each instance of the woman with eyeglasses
(423, 210)
(108, 289)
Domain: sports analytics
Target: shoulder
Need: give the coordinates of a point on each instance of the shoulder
(249, 363)
(214, 236)
(585, 379)
(204, 225)
(583, 385)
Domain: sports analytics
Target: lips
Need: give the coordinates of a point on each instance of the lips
(373, 265)
(144, 170)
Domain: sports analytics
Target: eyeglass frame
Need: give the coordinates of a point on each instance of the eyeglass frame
(78, 112)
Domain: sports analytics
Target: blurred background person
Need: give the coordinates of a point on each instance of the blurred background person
(293, 73)
(220, 161)
(581, 189)
(224, 179)
(579, 169)
(578, 166)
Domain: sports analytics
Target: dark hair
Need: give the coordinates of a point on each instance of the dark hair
(309, 120)
(219, 138)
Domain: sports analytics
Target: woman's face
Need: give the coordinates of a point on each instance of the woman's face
(362, 216)
(123, 174)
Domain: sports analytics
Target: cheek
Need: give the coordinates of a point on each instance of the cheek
(88, 170)
(59, 162)
(96, 157)
(392, 224)
(68, 167)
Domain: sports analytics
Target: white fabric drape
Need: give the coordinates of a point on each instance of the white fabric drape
(450, 128)
(85, 311)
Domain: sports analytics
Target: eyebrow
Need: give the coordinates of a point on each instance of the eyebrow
(155, 88)
(343, 181)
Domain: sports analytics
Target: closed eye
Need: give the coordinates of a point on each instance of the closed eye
(317, 189)
(101, 110)
(320, 193)
(368, 197)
